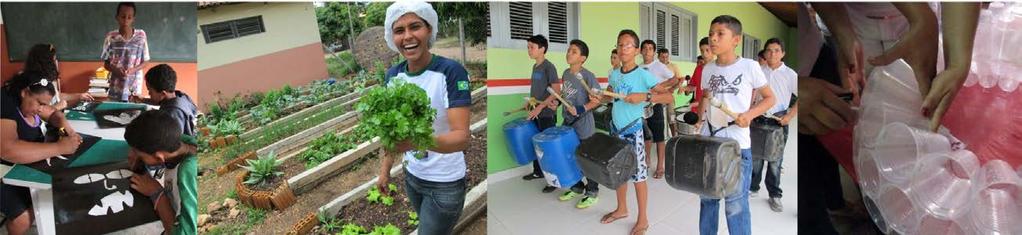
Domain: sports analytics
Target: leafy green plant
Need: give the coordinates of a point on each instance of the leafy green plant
(327, 222)
(392, 187)
(397, 113)
(232, 194)
(352, 229)
(255, 215)
(374, 195)
(262, 169)
(413, 218)
(387, 200)
(227, 127)
(388, 229)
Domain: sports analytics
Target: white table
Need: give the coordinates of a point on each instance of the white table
(42, 194)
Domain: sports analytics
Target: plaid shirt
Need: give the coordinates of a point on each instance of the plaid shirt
(125, 53)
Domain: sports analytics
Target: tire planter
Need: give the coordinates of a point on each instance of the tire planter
(279, 198)
(234, 163)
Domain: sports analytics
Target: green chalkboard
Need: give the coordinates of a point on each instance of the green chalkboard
(78, 29)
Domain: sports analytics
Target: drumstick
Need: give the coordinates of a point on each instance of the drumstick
(551, 90)
(771, 116)
(584, 84)
(532, 102)
(723, 107)
(608, 93)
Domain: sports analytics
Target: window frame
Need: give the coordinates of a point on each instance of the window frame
(500, 25)
(687, 40)
(233, 25)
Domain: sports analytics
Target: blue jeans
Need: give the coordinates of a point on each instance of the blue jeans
(773, 174)
(736, 206)
(438, 204)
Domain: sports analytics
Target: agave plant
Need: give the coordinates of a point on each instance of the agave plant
(227, 127)
(262, 169)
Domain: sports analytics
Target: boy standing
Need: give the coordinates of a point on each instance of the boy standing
(161, 81)
(627, 116)
(731, 80)
(782, 80)
(656, 122)
(576, 78)
(125, 52)
(544, 75)
(168, 160)
(705, 57)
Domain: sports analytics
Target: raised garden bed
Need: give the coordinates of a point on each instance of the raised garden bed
(354, 209)
(261, 186)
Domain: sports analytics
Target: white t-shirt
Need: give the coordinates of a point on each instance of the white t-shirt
(783, 82)
(659, 70)
(732, 84)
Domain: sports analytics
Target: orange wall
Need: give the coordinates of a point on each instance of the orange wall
(75, 75)
(296, 67)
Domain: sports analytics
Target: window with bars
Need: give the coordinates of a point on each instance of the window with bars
(231, 29)
(511, 23)
(670, 27)
(750, 46)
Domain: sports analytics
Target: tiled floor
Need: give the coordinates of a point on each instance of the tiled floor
(518, 207)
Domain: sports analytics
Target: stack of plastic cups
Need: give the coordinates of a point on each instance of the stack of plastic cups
(942, 191)
(900, 147)
(997, 201)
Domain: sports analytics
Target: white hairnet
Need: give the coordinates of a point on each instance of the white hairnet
(400, 8)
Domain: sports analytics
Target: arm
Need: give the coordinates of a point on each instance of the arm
(792, 113)
(166, 213)
(187, 187)
(457, 138)
(23, 152)
(850, 56)
(959, 29)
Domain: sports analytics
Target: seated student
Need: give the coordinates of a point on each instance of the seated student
(158, 147)
(42, 58)
(161, 81)
(23, 101)
(575, 80)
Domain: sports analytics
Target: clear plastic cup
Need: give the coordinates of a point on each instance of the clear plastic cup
(997, 203)
(897, 210)
(899, 148)
(943, 183)
(894, 83)
(874, 213)
(881, 113)
(868, 174)
(931, 225)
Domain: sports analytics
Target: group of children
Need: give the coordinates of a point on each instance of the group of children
(161, 141)
(642, 116)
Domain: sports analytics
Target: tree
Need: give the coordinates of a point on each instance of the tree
(333, 19)
(376, 13)
(474, 14)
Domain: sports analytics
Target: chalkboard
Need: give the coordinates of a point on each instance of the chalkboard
(78, 29)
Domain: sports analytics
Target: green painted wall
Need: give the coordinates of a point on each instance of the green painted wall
(599, 24)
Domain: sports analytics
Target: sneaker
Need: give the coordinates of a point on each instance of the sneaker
(532, 176)
(586, 202)
(753, 194)
(568, 195)
(549, 189)
(775, 204)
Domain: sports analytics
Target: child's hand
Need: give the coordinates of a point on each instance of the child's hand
(744, 120)
(69, 144)
(534, 113)
(918, 46)
(943, 90)
(821, 110)
(145, 184)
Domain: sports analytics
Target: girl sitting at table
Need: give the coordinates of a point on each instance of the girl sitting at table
(24, 105)
(42, 58)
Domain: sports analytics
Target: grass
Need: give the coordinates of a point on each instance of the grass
(342, 64)
(253, 216)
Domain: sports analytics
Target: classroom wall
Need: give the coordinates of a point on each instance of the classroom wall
(509, 69)
(75, 75)
(288, 53)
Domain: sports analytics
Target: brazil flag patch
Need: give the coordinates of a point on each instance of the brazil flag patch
(463, 85)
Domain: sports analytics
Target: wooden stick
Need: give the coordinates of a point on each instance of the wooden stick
(611, 94)
(551, 90)
(723, 107)
(584, 84)
(532, 103)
